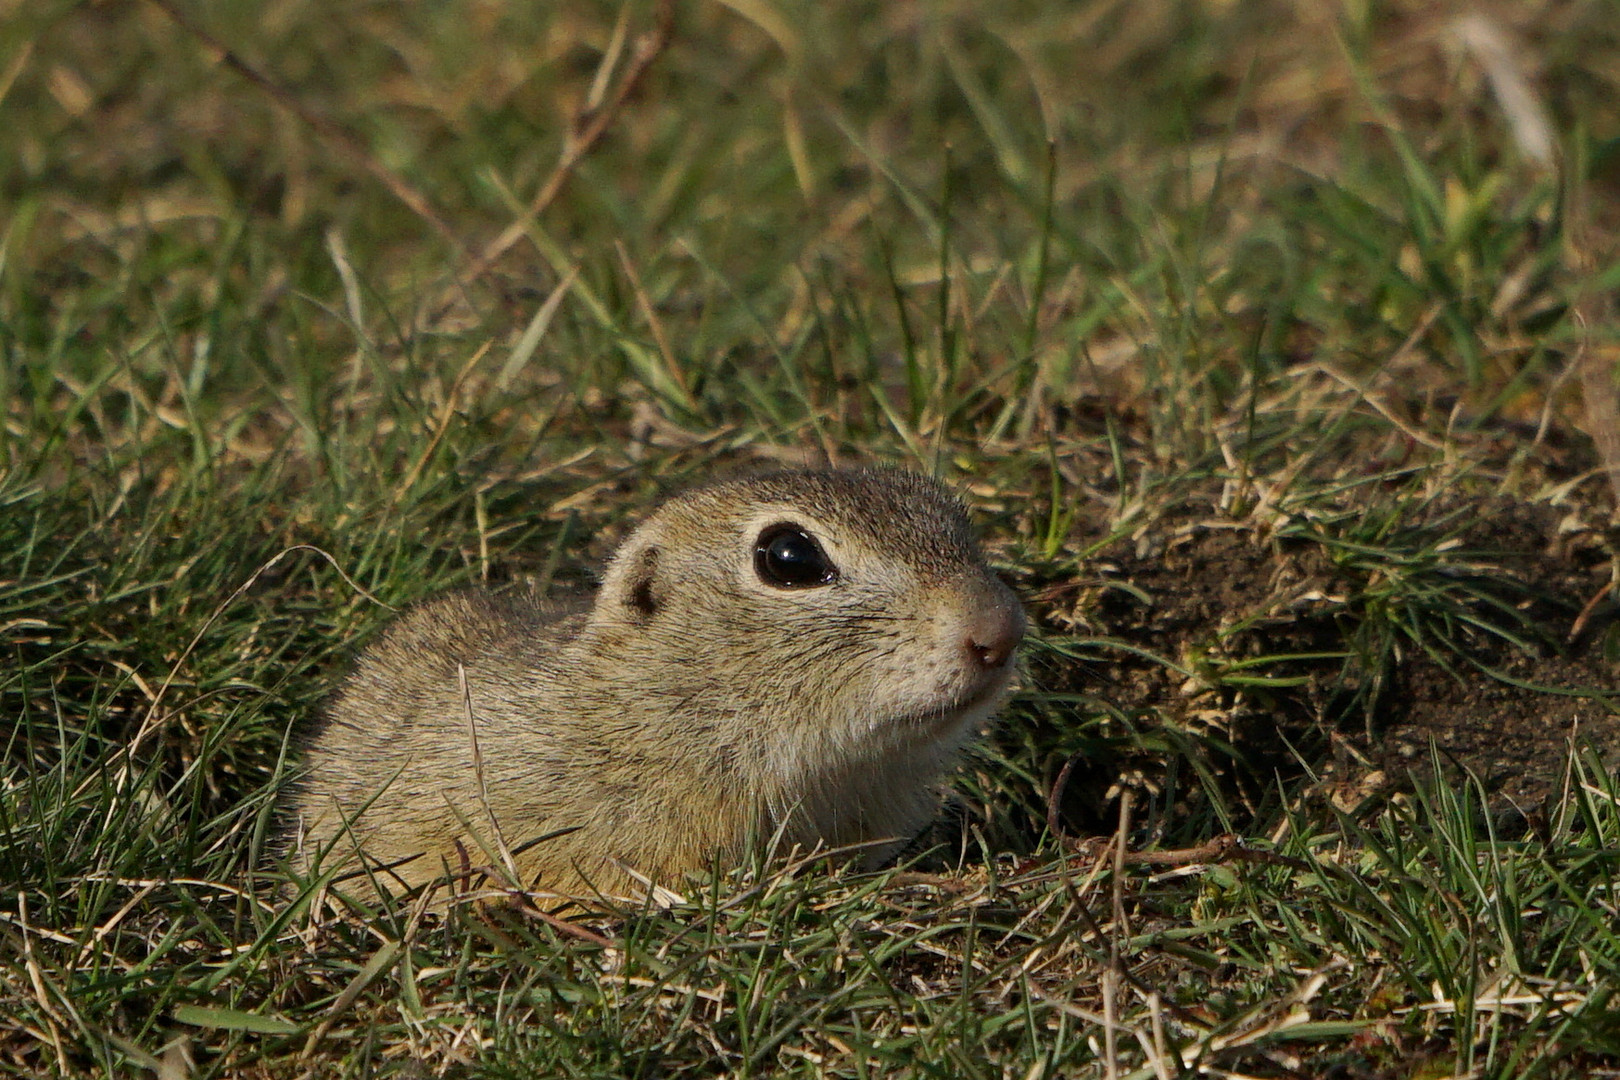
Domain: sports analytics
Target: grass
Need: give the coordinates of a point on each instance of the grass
(1244, 328)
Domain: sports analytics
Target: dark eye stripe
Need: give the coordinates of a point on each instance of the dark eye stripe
(788, 557)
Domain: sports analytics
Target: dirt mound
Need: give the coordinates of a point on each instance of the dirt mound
(1343, 644)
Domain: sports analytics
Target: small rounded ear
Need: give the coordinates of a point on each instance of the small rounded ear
(643, 595)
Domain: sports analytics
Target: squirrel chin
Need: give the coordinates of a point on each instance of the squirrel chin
(926, 725)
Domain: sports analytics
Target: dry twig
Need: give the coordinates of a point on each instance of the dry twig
(560, 924)
(586, 130)
(327, 130)
(1228, 847)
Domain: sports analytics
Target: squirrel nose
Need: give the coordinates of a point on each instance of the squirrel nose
(995, 629)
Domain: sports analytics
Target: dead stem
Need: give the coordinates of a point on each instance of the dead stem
(334, 135)
(586, 130)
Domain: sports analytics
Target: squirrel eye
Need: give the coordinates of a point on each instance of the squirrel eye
(789, 558)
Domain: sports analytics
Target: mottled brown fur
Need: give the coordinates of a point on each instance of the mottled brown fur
(694, 710)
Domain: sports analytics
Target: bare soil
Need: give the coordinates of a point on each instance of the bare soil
(1236, 618)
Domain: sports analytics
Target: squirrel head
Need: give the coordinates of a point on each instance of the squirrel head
(826, 607)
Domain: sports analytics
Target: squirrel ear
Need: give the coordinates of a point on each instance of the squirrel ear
(641, 592)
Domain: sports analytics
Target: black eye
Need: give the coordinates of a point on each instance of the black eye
(789, 558)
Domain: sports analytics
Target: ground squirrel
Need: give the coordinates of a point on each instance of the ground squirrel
(799, 654)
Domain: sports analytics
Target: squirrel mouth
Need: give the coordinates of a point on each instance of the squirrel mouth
(941, 715)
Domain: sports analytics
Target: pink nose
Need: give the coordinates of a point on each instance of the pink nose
(995, 628)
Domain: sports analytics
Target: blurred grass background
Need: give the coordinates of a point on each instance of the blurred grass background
(1130, 275)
